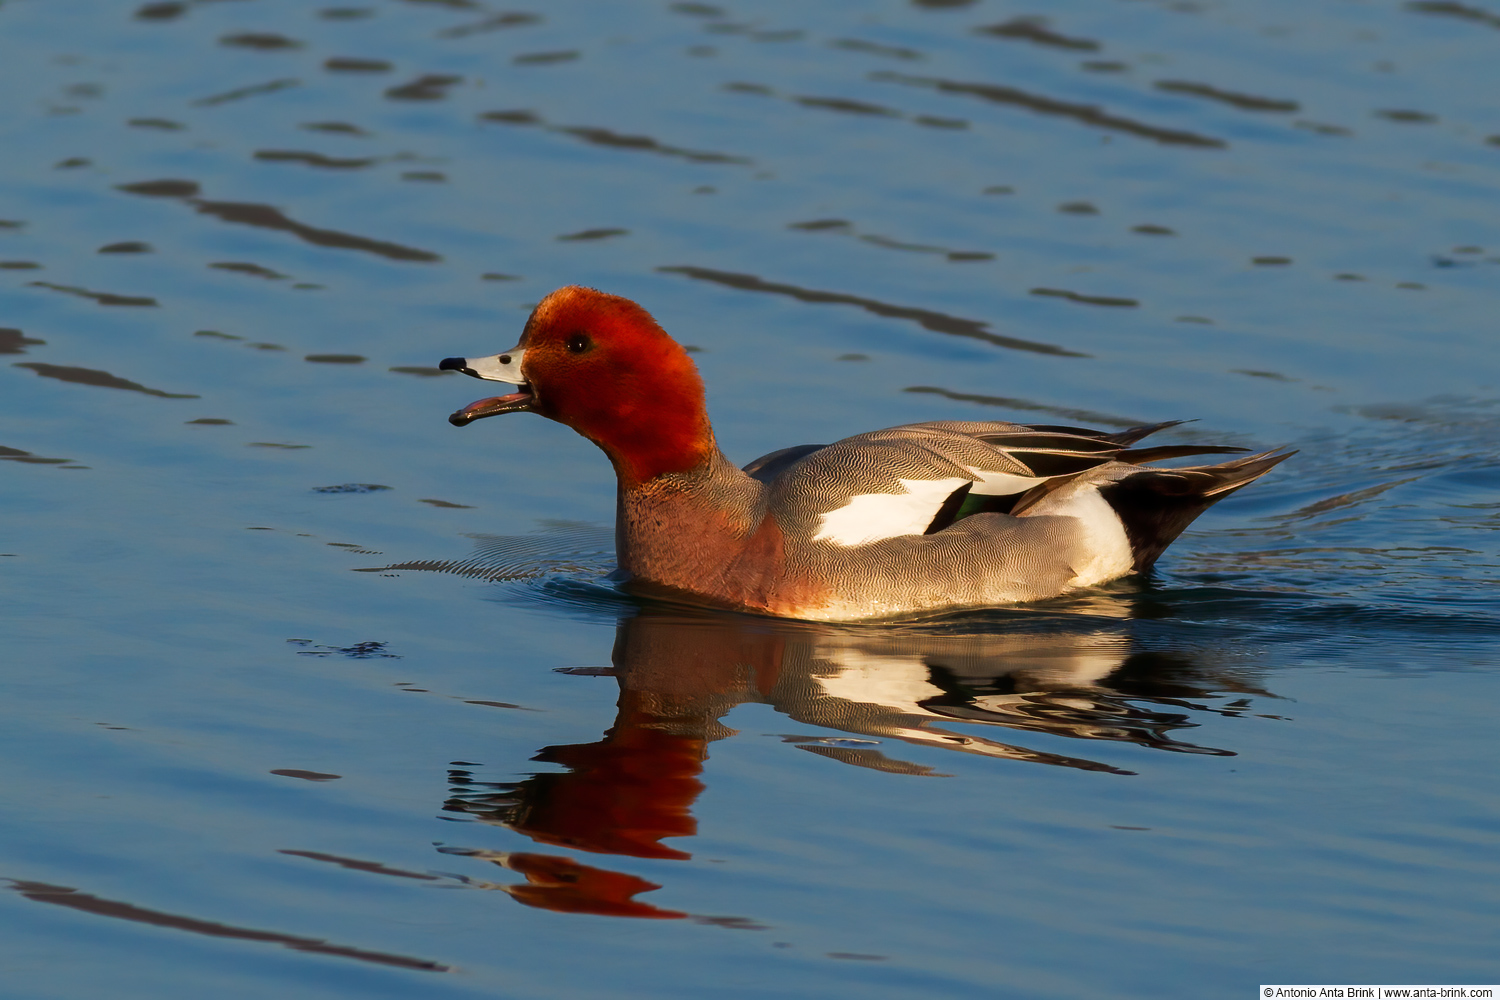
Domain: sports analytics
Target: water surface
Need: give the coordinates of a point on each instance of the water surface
(308, 692)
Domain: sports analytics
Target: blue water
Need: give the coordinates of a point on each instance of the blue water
(307, 693)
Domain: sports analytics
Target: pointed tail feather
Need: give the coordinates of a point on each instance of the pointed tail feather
(1121, 438)
(1140, 456)
(1136, 433)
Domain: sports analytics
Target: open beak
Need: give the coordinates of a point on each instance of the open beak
(496, 368)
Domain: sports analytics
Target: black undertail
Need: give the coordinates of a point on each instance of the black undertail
(1155, 505)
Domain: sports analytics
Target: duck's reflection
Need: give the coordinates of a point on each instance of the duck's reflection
(565, 886)
(681, 672)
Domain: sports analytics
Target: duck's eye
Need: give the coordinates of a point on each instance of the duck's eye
(579, 342)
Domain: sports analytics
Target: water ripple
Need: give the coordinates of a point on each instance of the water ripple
(1088, 114)
(927, 318)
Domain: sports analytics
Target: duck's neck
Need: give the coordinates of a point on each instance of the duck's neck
(694, 530)
(642, 456)
(664, 433)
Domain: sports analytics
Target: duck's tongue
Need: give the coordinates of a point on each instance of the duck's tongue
(515, 402)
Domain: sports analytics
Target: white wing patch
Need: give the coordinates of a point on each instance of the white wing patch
(871, 517)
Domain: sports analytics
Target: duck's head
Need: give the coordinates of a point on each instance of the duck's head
(603, 366)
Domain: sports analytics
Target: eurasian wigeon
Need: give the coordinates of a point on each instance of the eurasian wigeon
(918, 518)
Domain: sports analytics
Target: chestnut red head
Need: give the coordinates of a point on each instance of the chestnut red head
(603, 366)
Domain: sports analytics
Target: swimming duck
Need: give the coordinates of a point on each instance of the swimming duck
(911, 519)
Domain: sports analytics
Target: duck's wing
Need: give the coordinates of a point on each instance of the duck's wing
(919, 478)
(768, 467)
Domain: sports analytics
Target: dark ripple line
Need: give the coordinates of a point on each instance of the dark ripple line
(845, 227)
(848, 106)
(428, 87)
(874, 48)
(103, 298)
(1446, 8)
(605, 137)
(95, 377)
(253, 90)
(614, 140)
(927, 318)
(13, 341)
(267, 217)
(168, 10)
(315, 159)
(266, 41)
(1089, 114)
(244, 267)
(1090, 300)
(1035, 30)
(62, 895)
(1246, 102)
(499, 22)
(845, 105)
(1341, 501)
(17, 455)
(1086, 416)
(339, 64)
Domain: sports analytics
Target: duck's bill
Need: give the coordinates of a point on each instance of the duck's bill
(495, 368)
(498, 368)
(515, 402)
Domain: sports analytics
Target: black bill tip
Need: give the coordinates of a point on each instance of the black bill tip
(454, 365)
